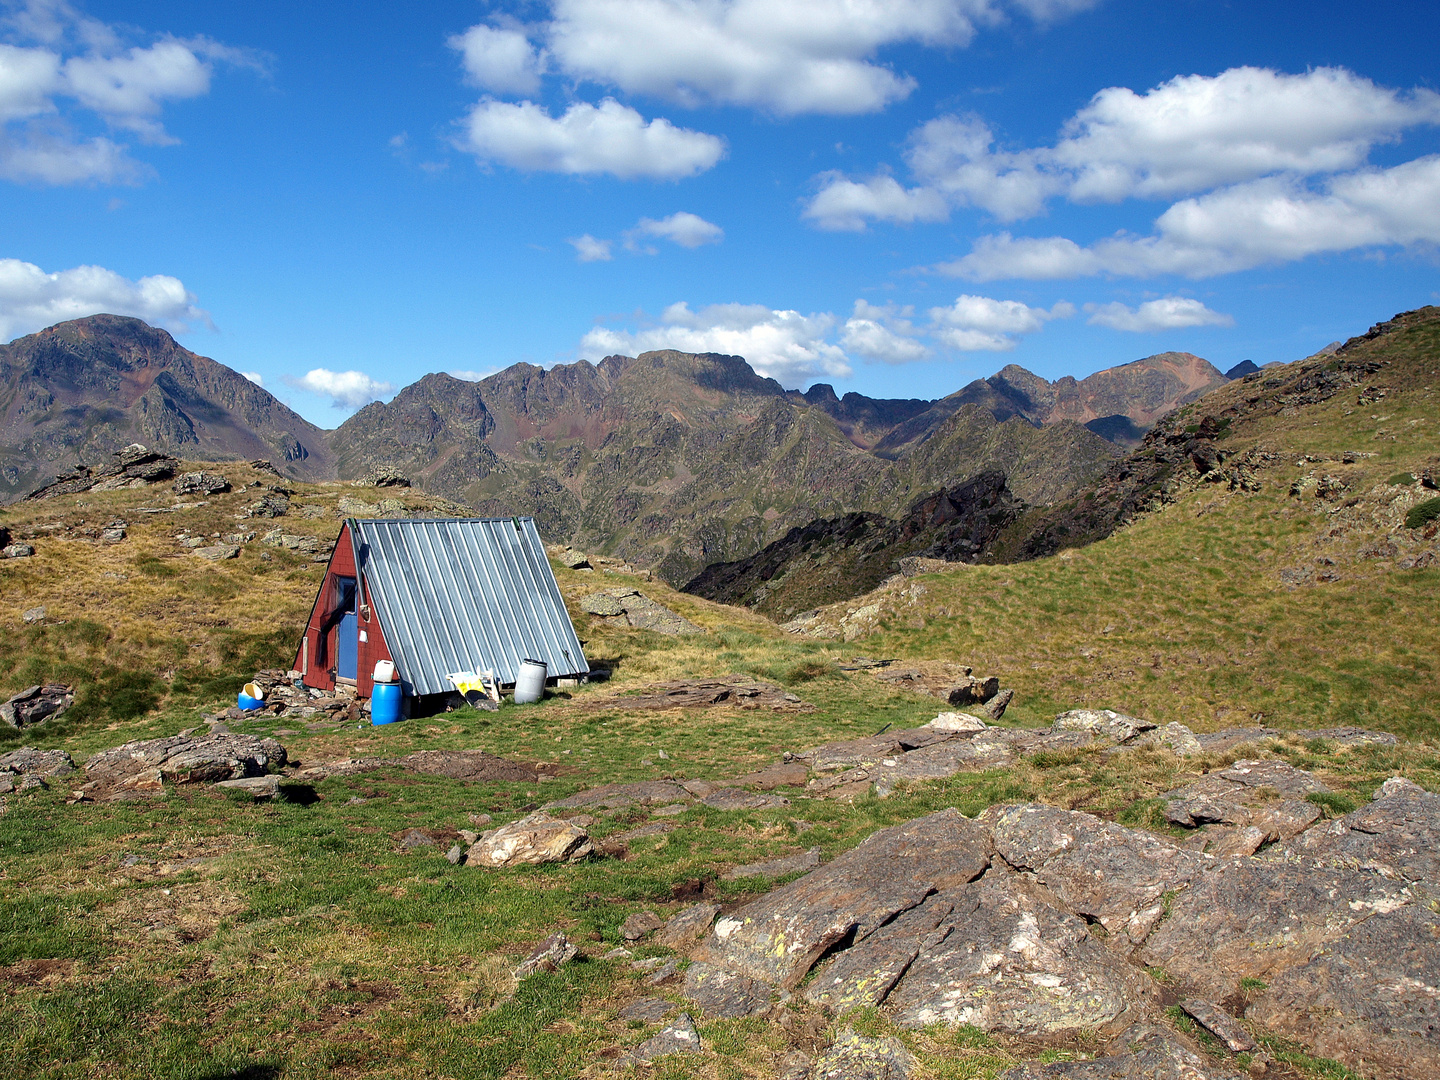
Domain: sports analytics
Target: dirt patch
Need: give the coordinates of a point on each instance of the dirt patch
(475, 766)
(36, 972)
(708, 693)
(347, 1004)
(174, 915)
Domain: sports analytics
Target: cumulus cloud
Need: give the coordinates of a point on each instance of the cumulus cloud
(587, 140)
(846, 205)
(1166, 313)
(982, 324)
(254, 376)
(683, 228)
(59, 69)
(784, 345)
(783, 56)
(884, 333)
(499, 60)
(345, 389)
(786, 56)
(1236, 228)
(31, 299)
(1188, 136)
(589, 249)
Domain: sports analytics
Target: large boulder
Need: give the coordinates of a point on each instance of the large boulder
(36, 704)
(184, 759)
(532, 840)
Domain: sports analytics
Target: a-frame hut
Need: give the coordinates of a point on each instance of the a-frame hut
(436, 596)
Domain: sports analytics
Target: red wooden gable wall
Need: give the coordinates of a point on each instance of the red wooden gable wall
(318, 672)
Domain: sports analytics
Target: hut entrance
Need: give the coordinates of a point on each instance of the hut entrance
(347, 636)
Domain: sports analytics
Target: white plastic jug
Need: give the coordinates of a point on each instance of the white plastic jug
(530, 682)
(385, 671)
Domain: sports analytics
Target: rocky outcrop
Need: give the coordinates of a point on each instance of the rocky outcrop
(36, 704)
(1044, 923)
(634, 608)
(145, 766)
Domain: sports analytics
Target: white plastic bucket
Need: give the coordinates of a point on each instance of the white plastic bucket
(530, 682)
(385, 671)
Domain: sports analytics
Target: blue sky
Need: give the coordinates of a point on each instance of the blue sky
(893, 197)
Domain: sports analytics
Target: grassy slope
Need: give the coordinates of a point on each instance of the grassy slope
(305, 942)
(1183, 615)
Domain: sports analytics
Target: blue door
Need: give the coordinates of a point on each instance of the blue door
(347, 635)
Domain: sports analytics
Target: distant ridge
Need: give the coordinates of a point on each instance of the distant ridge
(670, 460)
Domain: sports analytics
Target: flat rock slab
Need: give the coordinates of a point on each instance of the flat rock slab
(1016, 964)
(786, 774)
(647, 1010)
(1220, 1024)
(259, 787)
(738, 799)
(616, 796)
(1153, 1055)
(1237, 795)
(1369, 998)
(474, 766)
(780, 936)
(1397, 836)
(707, 694)
(687, 927)
(183, 759)
(774, 868)
(1249, 918)
(27, 761)
(679, 1038)
(1102, 871)
(862, 1057)
(537, 838)
(723, 994)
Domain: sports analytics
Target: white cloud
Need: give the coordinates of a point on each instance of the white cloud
(254, 376)
(845, 205)
(589, 249)
(883, 333)
(586, 140)
(1166, 313)
(1187, 136)
(345, 389)
(31, 299)
(59, 68)
(982, 324)
(499, 60)
(784, 345)
(683, 228)
(1236, 228)
(1195, 133)
(787, 56)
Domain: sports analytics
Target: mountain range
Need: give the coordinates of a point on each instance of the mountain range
(670, 460)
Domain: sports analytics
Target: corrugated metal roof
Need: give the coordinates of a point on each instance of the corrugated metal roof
(461, 594)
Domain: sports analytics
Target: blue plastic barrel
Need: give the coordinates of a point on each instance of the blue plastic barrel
(385, 703)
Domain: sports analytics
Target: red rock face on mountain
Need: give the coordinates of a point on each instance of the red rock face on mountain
(79, 391)
(1119, 403)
